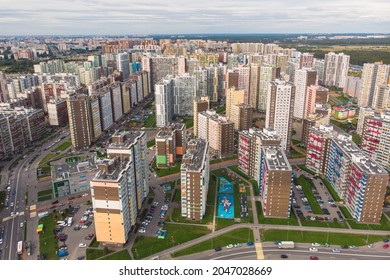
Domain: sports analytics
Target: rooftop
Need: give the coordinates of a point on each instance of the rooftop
(111, 169)
(194, 159)
(366, 164)
(264, 134)
(167, 131)
(124, 139)
(64, 168)
(276, 159)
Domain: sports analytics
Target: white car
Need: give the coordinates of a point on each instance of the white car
(237, 245)
(82, 245)
(229, 246)
(370, 246)
(12, 214)
(315, 244)
(336, 250)
(313, 249)
(84, 226)
(11, 204)
(21, 224)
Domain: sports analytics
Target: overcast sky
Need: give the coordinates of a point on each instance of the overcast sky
(117, 17)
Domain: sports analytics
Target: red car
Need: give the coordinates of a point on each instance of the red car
(385, 246)
(91, 235)
(313, 258)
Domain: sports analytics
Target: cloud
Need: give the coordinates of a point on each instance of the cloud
(177, 16)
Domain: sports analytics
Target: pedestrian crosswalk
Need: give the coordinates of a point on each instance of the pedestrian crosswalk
(259, 251)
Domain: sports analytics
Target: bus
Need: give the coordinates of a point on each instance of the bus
(20, 247)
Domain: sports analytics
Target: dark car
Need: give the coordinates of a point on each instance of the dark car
(80, 258)
(313, 257)
(217, 249)
(284, 256)
(55, 202)
(344, 247)
(250, 243)
(385, 240)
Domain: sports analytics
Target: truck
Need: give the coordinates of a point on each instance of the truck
(70, 221)
(19, 248)
(286, 245)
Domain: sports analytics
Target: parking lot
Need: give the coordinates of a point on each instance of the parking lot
(77, 234)
(154, 220)
(324, 199)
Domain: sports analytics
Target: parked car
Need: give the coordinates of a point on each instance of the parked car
(313, 249)
(284, 256)
(217, 249)
(250, 243)
(385, 246)
(313, 257)
(336, 250)
(82, 245)
(229, 246)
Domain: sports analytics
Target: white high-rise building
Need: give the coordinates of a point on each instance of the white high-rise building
(123, 64)
(280, 105)
(184, 94)
(267, 74)
(373, 74)
(164, 101)
(336, 69)
(303, 78)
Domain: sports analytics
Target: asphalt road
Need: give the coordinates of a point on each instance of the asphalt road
(300, 252)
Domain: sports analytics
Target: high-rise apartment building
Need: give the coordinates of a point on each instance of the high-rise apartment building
(58, 112)
(254, 83)
(304, 100)
(184, 94)
(267, 74)
(80, 125)
(195, 180)
(218, 131)
(352, 86)
(275, 182)
(376, 138)
(311, 120)
(250, 143)
(339, 163)
(201, 104)
(318, 142)
(280, 104)
(363, 113)
(233, 97)
(114, 200)
(241, 116)
(161, 67)
(373, 74)
(164, 101)
(365, 189)
(170, 143)
(306, 60)
(131, 145)
(123, 65)
(336, 69)
(381, 99)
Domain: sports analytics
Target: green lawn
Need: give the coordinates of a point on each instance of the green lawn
(241, 235)
(275, 221)
(94, 243)
(46, 159)
(239, 172)
(2, 199)
(356, 138)
(161, 172)
(384, 225)
(308, 223)
(177, 195)
(306, 188)
(121, 255)
(212, 190)
(207, 218)
(64, 146)
(93, 254)
(151, 143)
(189, 123)
(45, 192)
(320, 237)
(177, 234)
(151, 121)
(303, 167)
(220, 109)
(255, 186)
(332, 192)
(296, 142)
(48, 244)
(44, 198)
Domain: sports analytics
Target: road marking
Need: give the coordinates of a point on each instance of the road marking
(259, 251)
